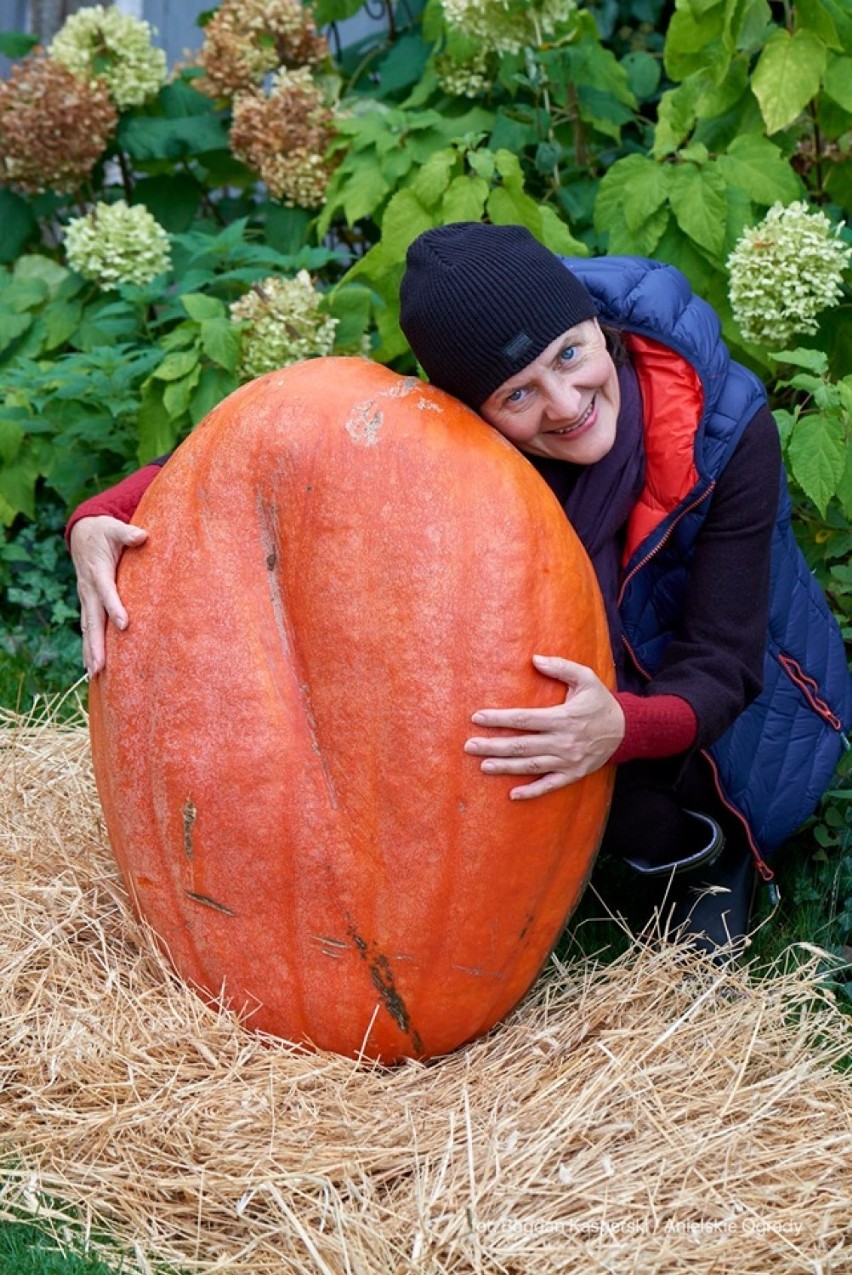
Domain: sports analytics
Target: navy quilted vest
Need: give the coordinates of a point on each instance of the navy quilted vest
(776, 760)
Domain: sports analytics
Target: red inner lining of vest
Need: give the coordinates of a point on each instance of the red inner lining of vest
(672, 404)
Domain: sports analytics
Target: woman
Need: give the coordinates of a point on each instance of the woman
(732, 691)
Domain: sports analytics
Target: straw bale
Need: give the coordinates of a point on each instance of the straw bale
(653, 1115)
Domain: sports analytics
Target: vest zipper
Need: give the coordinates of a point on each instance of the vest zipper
(664, 539)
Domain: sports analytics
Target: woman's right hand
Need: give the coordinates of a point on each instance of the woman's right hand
(97, 544)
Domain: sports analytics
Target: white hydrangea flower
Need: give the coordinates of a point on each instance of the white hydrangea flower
(117, 243)
(464, 79)
(784, 272)
(101, 41)
(506, 26)
(284, 324)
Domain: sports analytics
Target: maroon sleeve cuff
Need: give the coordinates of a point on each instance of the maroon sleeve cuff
(655, 726)
(119, 501)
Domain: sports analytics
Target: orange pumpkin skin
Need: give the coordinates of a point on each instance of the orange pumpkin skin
(342, 566)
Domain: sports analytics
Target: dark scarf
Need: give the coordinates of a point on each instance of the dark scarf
(598, 498)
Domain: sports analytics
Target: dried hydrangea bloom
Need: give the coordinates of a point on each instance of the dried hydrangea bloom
(117, 243)
(284, 136)
(53, 126)
(506, 26)
(786, 271)
(246, 39)
(284, 324)
(101, 41)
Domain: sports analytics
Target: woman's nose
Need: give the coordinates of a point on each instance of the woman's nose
(563, 401)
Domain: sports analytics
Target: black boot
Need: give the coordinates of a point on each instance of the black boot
(705, 897)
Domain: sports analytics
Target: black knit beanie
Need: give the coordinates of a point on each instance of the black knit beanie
(478, 303)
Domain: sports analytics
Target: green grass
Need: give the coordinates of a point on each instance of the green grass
(26, 1249)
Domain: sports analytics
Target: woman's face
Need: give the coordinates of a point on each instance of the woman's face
(565, 403)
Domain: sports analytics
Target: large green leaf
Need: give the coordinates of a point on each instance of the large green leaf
(758, 167)
(464, 199)
(817, 455)
(144, 137)
(17, 224)
(172, 198)
(812, 15)
(838, 80)
(787, 76)
(698, 200)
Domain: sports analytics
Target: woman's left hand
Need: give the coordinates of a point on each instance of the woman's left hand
(560, 744)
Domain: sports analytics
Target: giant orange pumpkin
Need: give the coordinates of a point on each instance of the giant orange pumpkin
(342, 566)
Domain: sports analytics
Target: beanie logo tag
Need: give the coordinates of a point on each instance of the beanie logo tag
(517, 347)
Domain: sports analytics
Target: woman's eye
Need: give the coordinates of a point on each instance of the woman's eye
(568, 354)
(516, 396)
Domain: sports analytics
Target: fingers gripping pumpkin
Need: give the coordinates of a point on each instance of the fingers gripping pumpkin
(343, 565)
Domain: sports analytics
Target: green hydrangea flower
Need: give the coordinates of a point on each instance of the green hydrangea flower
(506, 26)
(103, 42)
(786, 271)
(117, 243)
(283, 324)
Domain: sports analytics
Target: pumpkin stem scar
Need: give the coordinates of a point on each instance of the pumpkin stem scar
(210, 903)
(381, 976)
(189, 813)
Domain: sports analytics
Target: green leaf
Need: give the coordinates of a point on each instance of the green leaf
(172, 199)
(746, 22)
(643, 74)
(556, 236)
(697, 198)
(180, 100)
(838, 80)
(199, 306)
(18, 222)
(785, 421)
(17, 44)
(157, 431)
(509, 206)
(812, 15)
(214, 385)
(350, 304)
(61, 320)
(405, 218)
(176, 365)
(144, 137)
(814, 360)
(221, 341)
(364, 192)
(11, 437)
(645, 189)
(177, 394)
(433, 178)
(464, 200)
(787, 76)
(12, 326)
(694, 44)
(43, 269)
(758, 167)
(326, 11)
(817, 456)
(610, 218)
(675, 118)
